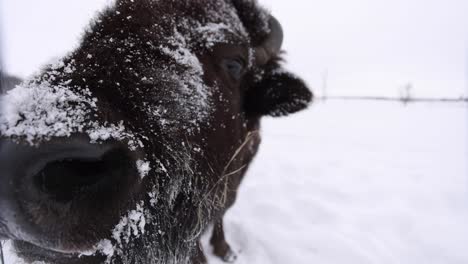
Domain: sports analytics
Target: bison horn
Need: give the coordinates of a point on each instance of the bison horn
(272, 44)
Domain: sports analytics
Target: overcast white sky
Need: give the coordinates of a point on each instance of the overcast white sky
(368, 47)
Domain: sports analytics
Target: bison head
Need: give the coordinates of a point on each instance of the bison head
(127, 148)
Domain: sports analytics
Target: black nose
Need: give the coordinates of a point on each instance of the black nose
(81, 172)
(61, 180)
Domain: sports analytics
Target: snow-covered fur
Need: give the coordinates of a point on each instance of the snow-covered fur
(150, 75)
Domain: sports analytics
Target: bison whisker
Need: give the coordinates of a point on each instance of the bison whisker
(225, 194)
(198, 230)
(249, 137)
(236, 171)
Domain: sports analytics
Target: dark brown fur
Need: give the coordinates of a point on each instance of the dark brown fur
(121, 62)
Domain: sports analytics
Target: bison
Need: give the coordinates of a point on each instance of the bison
(128, 148)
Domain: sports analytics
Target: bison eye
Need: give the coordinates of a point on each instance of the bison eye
(234, 67)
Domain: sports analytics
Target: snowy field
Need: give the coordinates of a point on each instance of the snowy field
(356, 182)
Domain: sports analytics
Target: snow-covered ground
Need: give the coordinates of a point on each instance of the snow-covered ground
(356, 182)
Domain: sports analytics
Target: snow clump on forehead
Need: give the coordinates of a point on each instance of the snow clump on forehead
(40, 110)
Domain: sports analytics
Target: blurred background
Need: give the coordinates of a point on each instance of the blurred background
(348, 181)
(353, 47)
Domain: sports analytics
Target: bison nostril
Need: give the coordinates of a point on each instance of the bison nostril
(65, 179)
(68, 178)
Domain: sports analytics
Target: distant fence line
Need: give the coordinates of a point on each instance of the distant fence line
(395, 99)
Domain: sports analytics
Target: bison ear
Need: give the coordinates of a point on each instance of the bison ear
(278, 93)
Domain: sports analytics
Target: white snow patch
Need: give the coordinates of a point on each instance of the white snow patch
(193, 95)
(105, 246)
(102, 133)
(214, 33)
(133, 224)
(42, 111)
(143, 168)
(183, 56)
